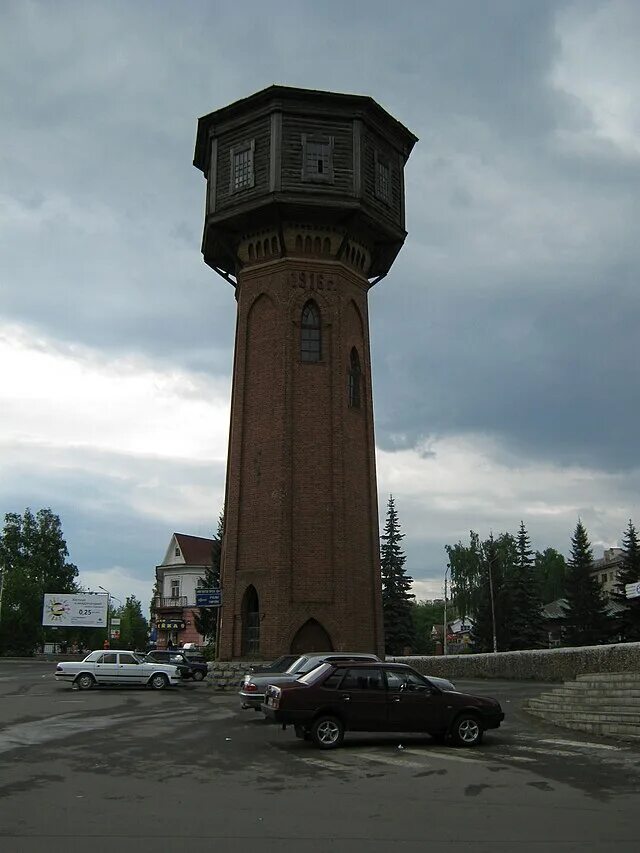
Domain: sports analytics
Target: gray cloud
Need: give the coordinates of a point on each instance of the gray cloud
(513, 309)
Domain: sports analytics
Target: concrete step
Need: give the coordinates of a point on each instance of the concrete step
(608, 716)
(610, 677)
(605, 701)
(629, 731)
(570, 691)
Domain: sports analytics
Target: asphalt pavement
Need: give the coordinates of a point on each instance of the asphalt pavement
(185, 769)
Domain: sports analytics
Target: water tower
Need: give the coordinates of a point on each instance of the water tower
(304, 213)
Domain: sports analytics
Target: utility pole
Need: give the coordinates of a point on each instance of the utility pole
(444, 624)
(493, 610)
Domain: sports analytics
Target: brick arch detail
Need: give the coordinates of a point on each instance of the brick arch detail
(311, 636)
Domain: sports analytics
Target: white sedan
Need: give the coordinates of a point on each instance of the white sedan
(116, 667)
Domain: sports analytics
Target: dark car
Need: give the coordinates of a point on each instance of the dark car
(377, 697)
(280, 664)
(187, 668)
(254, 685)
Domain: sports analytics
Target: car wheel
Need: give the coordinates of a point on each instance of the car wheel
(159, 681)
(198, 675)
(327, 732)
(85, 681)
(467, 730)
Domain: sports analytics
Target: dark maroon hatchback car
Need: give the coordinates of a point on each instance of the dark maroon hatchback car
(377, 697)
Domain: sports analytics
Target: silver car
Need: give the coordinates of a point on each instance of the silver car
(254, 685)
(116, 667)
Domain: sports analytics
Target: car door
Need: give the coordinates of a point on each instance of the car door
(106, 668)
(413, 705)
(363, 699)
(130, 670)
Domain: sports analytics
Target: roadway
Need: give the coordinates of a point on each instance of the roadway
(186, 770)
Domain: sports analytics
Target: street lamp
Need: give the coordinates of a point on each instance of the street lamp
(109, 597)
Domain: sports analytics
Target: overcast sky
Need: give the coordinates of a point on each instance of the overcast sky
(504, 340)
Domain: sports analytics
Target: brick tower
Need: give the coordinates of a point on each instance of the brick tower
(304, 213)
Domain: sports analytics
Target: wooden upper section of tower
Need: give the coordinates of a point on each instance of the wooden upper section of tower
(287, 156)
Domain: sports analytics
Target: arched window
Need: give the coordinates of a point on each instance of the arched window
(354, 380)
(310, 337)
(250, 623)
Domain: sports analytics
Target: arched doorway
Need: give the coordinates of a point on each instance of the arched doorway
(250, 623)
(311, 637)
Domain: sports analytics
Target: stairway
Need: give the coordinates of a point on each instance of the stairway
(601, 703)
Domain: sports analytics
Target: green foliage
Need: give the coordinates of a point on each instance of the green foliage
(628, 622)
(134, 628)
(493, 581)
(587, 622)
(33, 560)
(551, 570)
(426, 614)
(397, 599)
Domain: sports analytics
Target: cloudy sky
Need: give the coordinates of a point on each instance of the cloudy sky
(505, 339)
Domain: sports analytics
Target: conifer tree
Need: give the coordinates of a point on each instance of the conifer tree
(587, 621)
(526, 630)
(206, 618)
(628, 621)
(397, 600)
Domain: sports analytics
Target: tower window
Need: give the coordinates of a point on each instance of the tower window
(242, 174)
(317, 158)
(354, 380)
(383, 183)
(310, 333)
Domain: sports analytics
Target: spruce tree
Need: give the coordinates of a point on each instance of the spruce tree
(526, 629)
(397, 600)
(206, 618)
(628, 620)
(587, 621)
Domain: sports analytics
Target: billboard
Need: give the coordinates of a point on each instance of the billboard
(75, 610)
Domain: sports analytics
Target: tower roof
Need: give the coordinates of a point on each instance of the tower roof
(290, 98)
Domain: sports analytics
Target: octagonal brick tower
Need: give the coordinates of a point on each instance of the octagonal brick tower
(304, 213)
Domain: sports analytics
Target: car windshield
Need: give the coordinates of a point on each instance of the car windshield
(317, 672)
(93, 656)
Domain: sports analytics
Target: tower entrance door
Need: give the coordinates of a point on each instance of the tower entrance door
(311, 637)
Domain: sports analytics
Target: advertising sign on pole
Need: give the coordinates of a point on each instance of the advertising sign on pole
(75, 610)
(633, 590)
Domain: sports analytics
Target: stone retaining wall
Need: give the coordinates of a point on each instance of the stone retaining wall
(535, 665)
(227, 675)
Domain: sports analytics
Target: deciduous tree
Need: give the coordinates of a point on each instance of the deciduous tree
(33, 559)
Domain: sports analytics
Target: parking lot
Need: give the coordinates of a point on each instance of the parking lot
(185, 769)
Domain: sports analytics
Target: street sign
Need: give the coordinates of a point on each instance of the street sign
(115, 621)
(208, 598)
(633, 590)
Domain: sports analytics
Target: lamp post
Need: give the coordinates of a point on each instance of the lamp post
(109, 597)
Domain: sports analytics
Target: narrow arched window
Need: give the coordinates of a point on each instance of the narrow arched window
(310, 333)
(354, 380)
